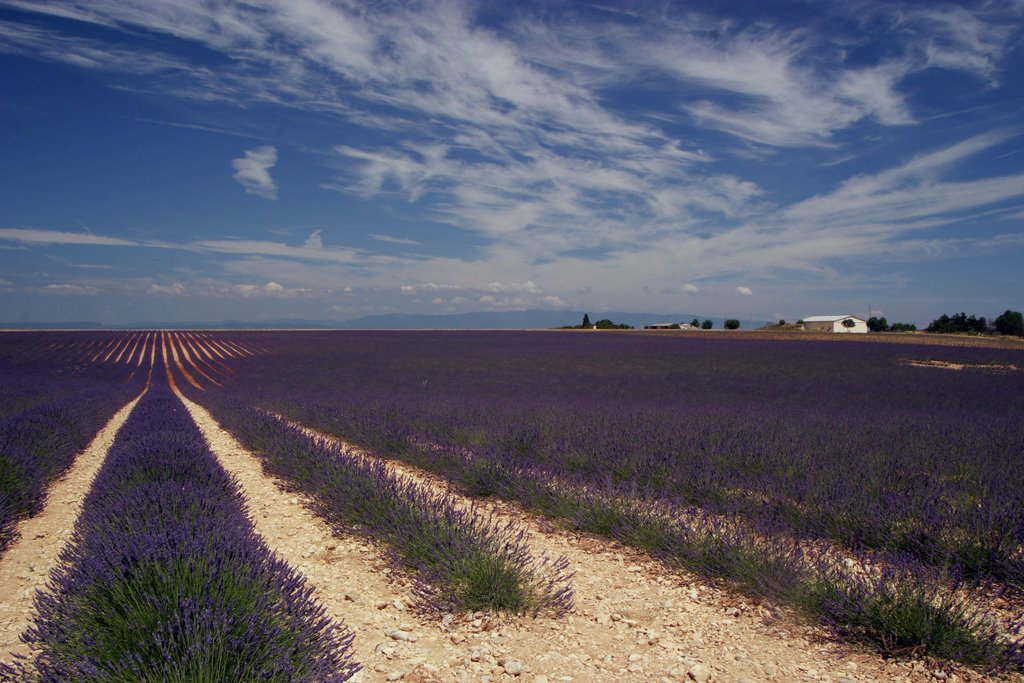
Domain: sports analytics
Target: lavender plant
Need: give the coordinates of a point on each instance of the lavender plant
(746, 428)
(803, 442)
(39, 444)
(463, 561)
(166, 580)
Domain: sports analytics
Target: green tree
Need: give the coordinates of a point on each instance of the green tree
(732, 324)
(586, 322)
(782, 322)
(878, 324)
(903, 327)
(695, 323)
(960, 322)
(706, 325)
(849, 324)
(1010, 323)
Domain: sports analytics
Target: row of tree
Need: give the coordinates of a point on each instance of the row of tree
(603, 324)
(876, 324)
(1010, 323)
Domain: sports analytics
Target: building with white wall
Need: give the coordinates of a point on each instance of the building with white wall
(836, 323)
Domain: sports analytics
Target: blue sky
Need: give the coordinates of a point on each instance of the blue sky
(170, 160)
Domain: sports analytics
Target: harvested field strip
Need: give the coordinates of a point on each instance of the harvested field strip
(167, 365)
(120, 347)
(104, 345)
(171, 341)
(138, 350)
(167, 343)
(25, 565)
(127, 344)
(463, 561)
(198, 354)
(209, 352)
(165, 522)
(226, 348)
(239, 349)
(188, 359)
(212, 346)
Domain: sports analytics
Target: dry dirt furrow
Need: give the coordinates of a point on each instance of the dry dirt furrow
(636, 620)
(27, 564)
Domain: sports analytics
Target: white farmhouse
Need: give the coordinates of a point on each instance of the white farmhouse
(835, 323)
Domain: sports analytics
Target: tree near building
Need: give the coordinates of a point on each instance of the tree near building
(848, 323)
(586, 321)
(607, 324)
(878, 324)
(706, 325)
(1010, 323)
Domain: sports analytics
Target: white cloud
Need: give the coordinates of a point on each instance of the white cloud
(38, 236)
(312, 251)
(314, 241)
(392, 240)
(912, 190)
(253, 171)
(527, 287)
(175, 289)
(510, 134)
(428, 287)
(745, 291)
(69, 290)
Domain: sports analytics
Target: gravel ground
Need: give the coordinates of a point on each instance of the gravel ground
(634, 620)
(27, 563)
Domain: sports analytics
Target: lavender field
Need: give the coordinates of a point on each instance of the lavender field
(849, 442)
(768, 464)
(876, 489)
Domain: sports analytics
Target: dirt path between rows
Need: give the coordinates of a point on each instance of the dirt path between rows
(634, 620)
(27, 564)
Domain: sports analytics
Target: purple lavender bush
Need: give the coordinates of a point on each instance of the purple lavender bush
(462, 560)
(40, 439)
(841, 442)
(834, 440)
(166, 580)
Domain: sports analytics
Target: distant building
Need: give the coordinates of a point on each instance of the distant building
(669, 326)
(836, 323)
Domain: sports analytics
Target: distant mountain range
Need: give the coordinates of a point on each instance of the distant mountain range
(482, 320)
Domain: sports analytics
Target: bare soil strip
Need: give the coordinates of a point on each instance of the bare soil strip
(188, 344)
(633, 621)
(127, 344)
(168, 342)
(950, 365)
(106, 344)
(27, 564)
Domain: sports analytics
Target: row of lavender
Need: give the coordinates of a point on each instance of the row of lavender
(798, 440)
(461, 560)
(820, 440)
(48, 414)
(165, 578)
